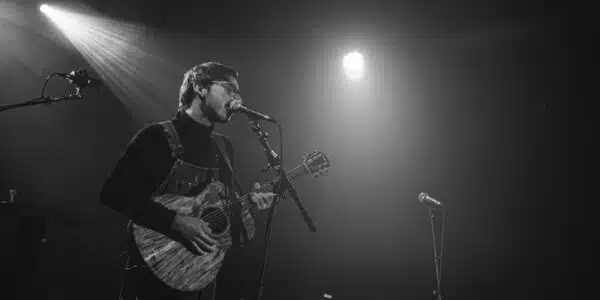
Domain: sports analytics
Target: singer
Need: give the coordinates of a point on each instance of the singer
(182, 157)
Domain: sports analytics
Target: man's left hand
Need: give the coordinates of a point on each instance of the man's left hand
(261, 199)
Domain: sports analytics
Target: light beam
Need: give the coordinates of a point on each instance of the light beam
(117, 52)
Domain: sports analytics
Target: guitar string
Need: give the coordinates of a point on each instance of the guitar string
(217, 216)
(266, 187)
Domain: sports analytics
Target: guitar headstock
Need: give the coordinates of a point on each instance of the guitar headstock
(316, 163)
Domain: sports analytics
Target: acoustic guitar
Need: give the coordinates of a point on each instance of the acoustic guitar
(175, 265)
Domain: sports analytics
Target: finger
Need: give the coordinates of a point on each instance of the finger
(204, 245)
(207, 249)
(260, 201)
(265, 203)
(206, 227)
(196, 247)
(204, 236)
(209, 239)
(267, 199)
(204, 249)
(254, 198)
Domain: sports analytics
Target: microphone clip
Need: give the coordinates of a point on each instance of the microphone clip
(273, 160)
(80, 79)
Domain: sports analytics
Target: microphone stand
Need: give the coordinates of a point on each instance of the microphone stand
(79, 86)
(437, 293)
(42, 100)
(283, 185)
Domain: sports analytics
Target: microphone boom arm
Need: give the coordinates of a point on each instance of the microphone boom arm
(39, 100)
(47, 100)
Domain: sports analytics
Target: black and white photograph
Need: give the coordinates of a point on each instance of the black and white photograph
(297, 150)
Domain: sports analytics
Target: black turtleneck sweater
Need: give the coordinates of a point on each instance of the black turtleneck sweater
(147, 161)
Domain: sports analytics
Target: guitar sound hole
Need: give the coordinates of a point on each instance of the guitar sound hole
(216, 219)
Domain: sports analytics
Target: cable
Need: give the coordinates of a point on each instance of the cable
(442, 244)
(44, 87)
(280, 144)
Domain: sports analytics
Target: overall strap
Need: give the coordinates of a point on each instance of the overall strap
(220, 141)
(173, 138)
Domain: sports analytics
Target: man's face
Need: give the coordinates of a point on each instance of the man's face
(218, 97)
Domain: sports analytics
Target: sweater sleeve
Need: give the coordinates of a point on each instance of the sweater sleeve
(142, 167)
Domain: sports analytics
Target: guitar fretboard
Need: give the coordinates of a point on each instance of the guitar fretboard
(268, 187)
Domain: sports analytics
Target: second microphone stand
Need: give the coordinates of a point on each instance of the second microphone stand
(45, 100)
(283, 185)
(437, 257)
(80, 82)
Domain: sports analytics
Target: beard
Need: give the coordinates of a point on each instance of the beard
(214, 116)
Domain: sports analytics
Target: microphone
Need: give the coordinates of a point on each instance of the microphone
(236, 106)
(80, 79)
(426, 199)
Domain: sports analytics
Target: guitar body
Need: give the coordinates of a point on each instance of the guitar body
(172, 262)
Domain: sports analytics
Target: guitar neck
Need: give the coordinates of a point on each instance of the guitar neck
(268, 187)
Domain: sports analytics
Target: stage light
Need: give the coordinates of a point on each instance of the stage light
(354, 65)
(67, 22)
(44, 8)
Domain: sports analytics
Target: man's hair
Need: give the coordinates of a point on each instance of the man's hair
(202, 74)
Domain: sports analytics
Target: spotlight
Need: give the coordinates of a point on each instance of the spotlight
(354, 65)
(44, 8)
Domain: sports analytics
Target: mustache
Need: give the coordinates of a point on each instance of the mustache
(234, 104)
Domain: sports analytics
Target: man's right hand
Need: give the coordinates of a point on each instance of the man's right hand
(195, 234)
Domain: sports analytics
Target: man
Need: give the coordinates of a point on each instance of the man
(181, 156)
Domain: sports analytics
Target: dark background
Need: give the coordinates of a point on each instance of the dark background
(483, 104)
